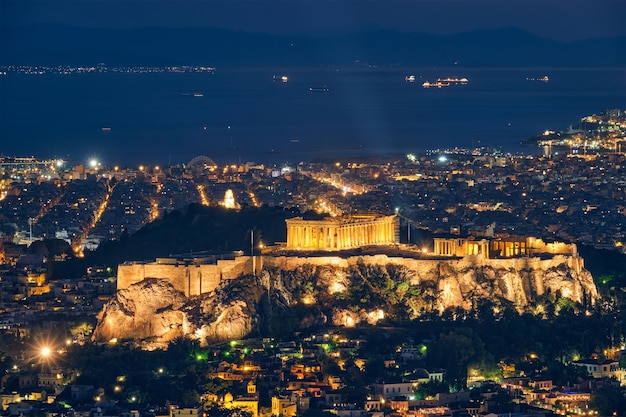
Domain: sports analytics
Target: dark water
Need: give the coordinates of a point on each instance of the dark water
(155, 119)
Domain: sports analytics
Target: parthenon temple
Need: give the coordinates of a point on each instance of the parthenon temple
(338, 233)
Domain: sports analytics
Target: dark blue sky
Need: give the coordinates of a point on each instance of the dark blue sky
(556, 19)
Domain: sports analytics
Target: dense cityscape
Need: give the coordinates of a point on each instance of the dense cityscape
(554, 355)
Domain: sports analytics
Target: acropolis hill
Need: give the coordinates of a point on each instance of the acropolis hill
(194, 294)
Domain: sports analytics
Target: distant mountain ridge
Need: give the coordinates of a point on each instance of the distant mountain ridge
(55, 44)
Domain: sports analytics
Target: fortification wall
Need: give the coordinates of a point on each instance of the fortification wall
(293, 262)
(517, 279)
(191, 279)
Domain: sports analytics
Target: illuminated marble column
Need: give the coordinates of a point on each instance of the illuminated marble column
(329, 244)
(342, 237)
(386, 232)
(351, 234)
(339, 237)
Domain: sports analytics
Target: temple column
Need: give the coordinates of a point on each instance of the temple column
(351, 232)
(289, 236)
(320, 237)
(339, 237)
(386, 233)
(331, 241)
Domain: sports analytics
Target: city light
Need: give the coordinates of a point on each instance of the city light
(203, 197)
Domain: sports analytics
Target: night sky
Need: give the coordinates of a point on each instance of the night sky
(556, 19)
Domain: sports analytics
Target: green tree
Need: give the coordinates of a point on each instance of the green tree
(608, 401)
(431, 388)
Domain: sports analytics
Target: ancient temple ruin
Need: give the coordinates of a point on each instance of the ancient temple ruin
(338, 233)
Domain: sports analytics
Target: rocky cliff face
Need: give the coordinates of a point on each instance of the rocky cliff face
(154, 310)
(316, 291)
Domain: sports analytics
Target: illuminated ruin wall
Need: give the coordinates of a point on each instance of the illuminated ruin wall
(500, 248)
(191, 278)
(338, 233)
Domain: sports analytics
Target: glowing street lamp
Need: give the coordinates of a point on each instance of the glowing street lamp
(45, 352)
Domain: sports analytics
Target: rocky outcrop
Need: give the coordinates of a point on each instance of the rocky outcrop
(458, 282)
(150, 309)
(153, 309)
(314, 291)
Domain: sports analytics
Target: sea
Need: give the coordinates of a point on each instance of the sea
(245, 115)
